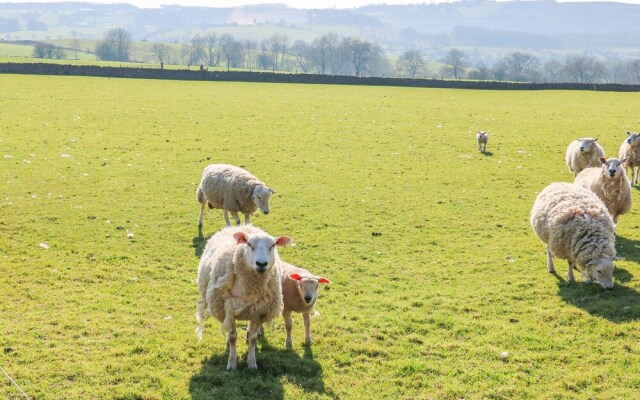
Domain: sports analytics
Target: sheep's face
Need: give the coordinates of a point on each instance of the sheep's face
(612, 167)
(601, 271)
(309, 286)
(633, 139)
(482, 136)
(261, 196)
(587, 145)
(260, 249)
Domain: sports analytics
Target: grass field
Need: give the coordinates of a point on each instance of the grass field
(435, 269)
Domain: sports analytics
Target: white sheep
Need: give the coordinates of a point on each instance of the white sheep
(300, 290)
(610, 183)
(583, 153)
(482, 138)
(239, 279)
(576, 226)
(233, 190)
(630, 149)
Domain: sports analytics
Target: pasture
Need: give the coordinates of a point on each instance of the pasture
(435, 269)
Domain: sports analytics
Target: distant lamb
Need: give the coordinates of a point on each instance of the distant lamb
(630, 149)
(232, 189)
(482, 137)
(610, 183)
(575, 225)
(583, 153)
(239, 279)
(299, 291)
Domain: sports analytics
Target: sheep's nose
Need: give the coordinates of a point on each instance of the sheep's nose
(308, 299)
(629, 141)
(266, 212)
(612, 172)
(581, 148)
(262, 265)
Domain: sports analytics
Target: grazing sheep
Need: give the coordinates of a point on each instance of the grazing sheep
(630, 149)
(583, 153)
(575, 225)
(239, 279)
(299, 292)
(232, 189)
(610, 183)
(482, 137)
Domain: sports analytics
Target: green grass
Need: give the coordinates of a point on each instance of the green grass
(423, 309)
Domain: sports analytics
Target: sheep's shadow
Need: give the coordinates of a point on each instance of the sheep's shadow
(628, 248)
(274, 366)
(198, 243)
(620, 304)
(486, 153)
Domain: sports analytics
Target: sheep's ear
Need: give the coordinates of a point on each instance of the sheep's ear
(595, 140)
(272, 191)
(295, 277)
(624, 160)
(628, 133)
(323, 280)
(240, 237)
(592, 262)
(602, 160)
(283, 241)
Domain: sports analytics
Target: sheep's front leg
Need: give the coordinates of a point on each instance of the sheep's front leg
(235, 217)
(550, 261)
(635, 171)
(202, 207)
(232, 340)
(254, 328)
(226, 217)
(306, 318)
(570, 276)
(484, 148)
(288, 325)
(247, 218)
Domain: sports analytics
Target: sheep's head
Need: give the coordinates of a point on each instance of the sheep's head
(587, 145)
(601, 271)
(633, 138)
(308, 286)
(482, 135)
(260, 249)
(612, 167)
(261, 196)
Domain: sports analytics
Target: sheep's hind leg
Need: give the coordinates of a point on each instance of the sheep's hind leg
(254, 328)
(232, 340)
(235, 217)
(225, 213)
(288, 325)
(306, 318)
(550, 261)
(570, 277)
(202, 206)
(247, 218)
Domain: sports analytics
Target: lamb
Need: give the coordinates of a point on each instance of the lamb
(239, 279)
(583, 153)
(482, 137)
(232, 189)
(630, 149)
(575, 225)
(299, 291)
(610, 183)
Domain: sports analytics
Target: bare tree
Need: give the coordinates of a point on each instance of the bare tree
(161, 51)
(209, 46)
(362, 55)
(250, 48)
(456, 62)
(481, 72)
(47, 50)
(114, 46)
(411, 62)
(324, 51)
(552, 71)
(302, 53)
(584, 68)
(75, 46)
(226, 48)
(522, 66)
(634, 67)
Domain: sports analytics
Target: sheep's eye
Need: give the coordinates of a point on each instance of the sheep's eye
(272, 246)
(599, 272)
(250, 245)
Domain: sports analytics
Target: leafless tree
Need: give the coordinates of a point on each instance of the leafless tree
(522, 66)
(634, 67)
(114, 46)
(456, 62)
(302, 53)
(411, 62)
(161, 51)
(324, 51)
(553, 71)
(481, 72)
(363, 56)
(209, 47)
(584, 68)
(250, 48)
(226, 48)
(75, 46)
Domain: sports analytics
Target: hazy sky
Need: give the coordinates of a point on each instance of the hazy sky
(292, 3)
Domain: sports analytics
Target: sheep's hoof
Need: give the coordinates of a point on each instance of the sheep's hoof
(252, 365)
(288, 345)
(232, 364)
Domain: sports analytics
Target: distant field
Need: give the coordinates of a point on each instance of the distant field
(435, 269)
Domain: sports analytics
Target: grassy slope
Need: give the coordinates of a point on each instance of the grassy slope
(421, 311)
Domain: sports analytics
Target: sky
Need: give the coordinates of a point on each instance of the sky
(292, 3)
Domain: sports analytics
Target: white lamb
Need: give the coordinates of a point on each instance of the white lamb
(583, 153)
(630, 149)
(239, 279)
(300, 290)
(610, 183)
(233, 190)
(482, 138)
(575, 225)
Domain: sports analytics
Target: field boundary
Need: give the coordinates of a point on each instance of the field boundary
(271, 77)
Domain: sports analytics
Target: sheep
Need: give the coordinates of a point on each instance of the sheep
(575, 225)
(630, 149)
(232, 189)
(299, 292)
(610, 183)
(482, 137)
(239, 279)
(583, 153)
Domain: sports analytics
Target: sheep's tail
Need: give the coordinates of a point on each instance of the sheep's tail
(199, 331)
(200, 195)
